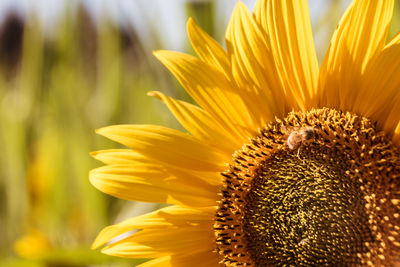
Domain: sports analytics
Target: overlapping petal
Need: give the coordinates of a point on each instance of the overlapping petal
(212, 91)
(202, 259)
(253, 66)
(208, 49)
(360, 35)
(289, 34)
(153, 183)
(379, 97)
(120, 156)
(155, 142)
(158, 262)
(150, 243)
(128, 156)
(213, 54)
(162, 219)
(200, 124)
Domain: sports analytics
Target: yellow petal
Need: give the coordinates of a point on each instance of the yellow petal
(120, 156)
(380, 88)
(208, 49)
(128, 156)
(168, 146)
(253, 65)
(169, 217)
(210, 177)
(396, 134)
(213, 54)
(391, 122)
(360, 35)
(212, 91)
(151, 243)
(152, 183)
(158, 262)
(289, 31)
(200, 124)
(202, 259)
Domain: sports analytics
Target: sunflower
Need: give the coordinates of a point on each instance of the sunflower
(284, 163)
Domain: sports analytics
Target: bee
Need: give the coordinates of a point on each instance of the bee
(298, 136)
(303, 242)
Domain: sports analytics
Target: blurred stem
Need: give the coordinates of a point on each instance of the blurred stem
(202, 11)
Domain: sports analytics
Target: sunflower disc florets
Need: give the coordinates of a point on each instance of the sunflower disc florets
(329, 199)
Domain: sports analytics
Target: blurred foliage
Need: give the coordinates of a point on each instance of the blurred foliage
(55, 89)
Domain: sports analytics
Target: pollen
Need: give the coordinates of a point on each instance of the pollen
(318, 188)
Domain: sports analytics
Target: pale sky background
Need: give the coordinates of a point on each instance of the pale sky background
(169, 14)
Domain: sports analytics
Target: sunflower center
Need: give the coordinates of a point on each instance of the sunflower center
(320, 188)
(304, 210)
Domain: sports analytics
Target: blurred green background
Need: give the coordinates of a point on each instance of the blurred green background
(57, 86)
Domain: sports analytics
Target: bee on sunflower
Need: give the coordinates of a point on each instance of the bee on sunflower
(244, 189)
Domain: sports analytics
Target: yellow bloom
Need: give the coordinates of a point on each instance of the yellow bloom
(284, 163)
(32, 245)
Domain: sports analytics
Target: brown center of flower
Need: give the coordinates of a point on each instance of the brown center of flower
(320, 188)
